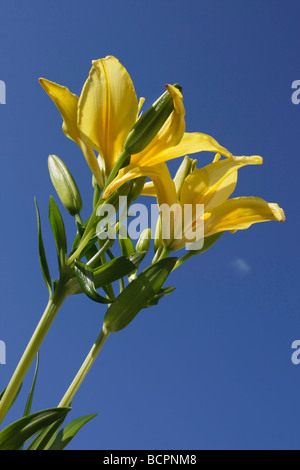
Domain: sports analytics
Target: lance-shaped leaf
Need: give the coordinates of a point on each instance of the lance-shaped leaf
(31, 393)
(85, 278)
(162, 293)
(108, 272)
(46, 436)
(137, 295)
(59, 232)
(69, 431)
(42, 254)
(16, 434)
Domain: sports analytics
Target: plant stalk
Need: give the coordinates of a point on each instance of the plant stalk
(84, 369)
(55, 302)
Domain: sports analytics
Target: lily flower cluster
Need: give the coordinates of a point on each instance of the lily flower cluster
(127, 151)
(102, 118)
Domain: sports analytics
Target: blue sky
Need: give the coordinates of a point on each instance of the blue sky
(209, 367)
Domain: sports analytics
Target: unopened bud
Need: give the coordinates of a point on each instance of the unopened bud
(148, 125)
(64, 185)
(143, 243)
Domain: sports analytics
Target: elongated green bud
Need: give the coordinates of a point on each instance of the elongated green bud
(64, 185)
(148, 125)
(143, 243)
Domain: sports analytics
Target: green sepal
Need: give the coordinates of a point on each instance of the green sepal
(137, 295)
(42, 254)
(85, 278)
(16, 434)
(59, 232)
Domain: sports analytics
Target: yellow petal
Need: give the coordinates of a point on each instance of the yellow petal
(107, 109)
(190, 143)
(214, 183)
(66, 103)
(169, 135)
(239, 213)
(164, 185)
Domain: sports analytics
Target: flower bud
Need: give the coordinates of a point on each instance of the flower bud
(143, 243)
(148, 125)
(64, 185)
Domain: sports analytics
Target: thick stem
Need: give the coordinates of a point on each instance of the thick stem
(54, 304)
(84, 369)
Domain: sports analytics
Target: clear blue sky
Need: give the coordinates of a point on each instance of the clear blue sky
(210, 367)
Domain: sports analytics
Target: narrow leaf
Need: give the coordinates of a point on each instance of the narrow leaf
(85, 278)
(162, 293)
(137, 295)
(69, 431)
(31, 393)
(46, 436)
(42, 254)
(16, 434)
(59, 231)
(108, 272)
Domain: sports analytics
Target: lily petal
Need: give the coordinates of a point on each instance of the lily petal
(240, 213)
(190, 143)
(67, 103)
(214, 183)
(165, 190)
(107, 109)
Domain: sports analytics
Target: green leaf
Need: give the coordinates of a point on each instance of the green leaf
(16, 434)
(69, 431)
(59, 232)
(31, 393)
(162, 293)
(42, 254)
(85, 278)
(46, 436)
(137, 295)
(108, 272)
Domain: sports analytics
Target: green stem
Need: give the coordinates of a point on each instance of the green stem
(55, 302)
(84, 369)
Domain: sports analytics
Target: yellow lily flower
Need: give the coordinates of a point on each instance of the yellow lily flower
(103, 115)
(211, 186)
(107, 109)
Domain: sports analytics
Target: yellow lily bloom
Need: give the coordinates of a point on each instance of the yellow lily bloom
(107, 109)
(211, 186)
(102, 116)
